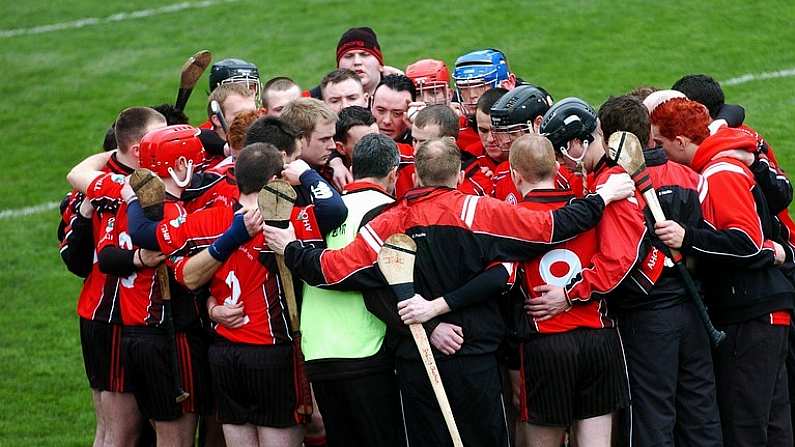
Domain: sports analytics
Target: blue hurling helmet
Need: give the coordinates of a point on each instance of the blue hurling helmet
(487, 66)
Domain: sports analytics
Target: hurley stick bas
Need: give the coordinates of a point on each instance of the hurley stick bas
(151, 193)
(192, 70)
(276, 201)
(625, 149)
(396, 262)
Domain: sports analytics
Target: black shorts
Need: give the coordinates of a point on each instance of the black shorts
(147, 360)
(253, 384)
(101, 344)
(572, 376)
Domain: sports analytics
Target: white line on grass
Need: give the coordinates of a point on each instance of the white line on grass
(119, 17)
(785, 73)
(27, 211)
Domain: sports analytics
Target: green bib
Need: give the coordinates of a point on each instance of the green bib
(337, 324)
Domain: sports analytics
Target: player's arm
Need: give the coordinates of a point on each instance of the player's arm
(484, 286)
(81, 176)
(77, 246)
(734, 235)
(620, 237)
(330, 210)
(775, 186)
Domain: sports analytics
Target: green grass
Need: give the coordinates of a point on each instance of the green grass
(62, 89)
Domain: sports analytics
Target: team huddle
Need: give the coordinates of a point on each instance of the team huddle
(563, 304)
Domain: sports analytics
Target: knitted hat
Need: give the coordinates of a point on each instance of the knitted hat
(364, 39)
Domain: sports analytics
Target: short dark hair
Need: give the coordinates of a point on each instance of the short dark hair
(399, 83)
(337, 76)
(437, 161)
(374, 156)
(172, 114)
(642, 91)
(275, 131)
(131, 125)
(279, 84)
(625, 113)
(109, 143)
(704, 89)
(488, 99)
(256, 164)
(440, 115)
(349, 117)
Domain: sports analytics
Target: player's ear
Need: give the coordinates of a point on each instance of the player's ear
(215, 122)
(460, 177)
(135, 149)
(340, 147)
(415, 180)
(537, 123)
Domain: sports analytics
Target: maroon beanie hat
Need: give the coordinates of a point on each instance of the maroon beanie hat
(364, 39)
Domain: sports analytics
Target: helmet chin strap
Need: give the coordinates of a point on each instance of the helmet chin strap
(578, 165)
(186, 181)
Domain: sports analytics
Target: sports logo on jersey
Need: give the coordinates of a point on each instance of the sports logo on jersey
(177, 221)
(117, 178)
(557, 267)
(109, 226)
(511, 198)
(321, 191)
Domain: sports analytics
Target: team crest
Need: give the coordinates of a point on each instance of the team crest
(176, 222)
(511, 198)
(117, 178)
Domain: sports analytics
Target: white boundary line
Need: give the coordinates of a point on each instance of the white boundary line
(118, 17)
(785, 73)
(27, 211)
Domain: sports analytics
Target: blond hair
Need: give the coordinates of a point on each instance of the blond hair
(224, 91)
(305, 113)
(533, 157)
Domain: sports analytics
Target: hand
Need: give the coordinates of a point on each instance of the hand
(617, 187)
(342, 176)
(253, 221)
(278, 238)
(293, 170)
(229, 315)
(388, 70)
(413, 109)
(738, 154)
(418, 310)
(86, 209)
(780, 255)
(447, 338)
(551, 302)
(670, 233)
(147, 258)
(127, 192)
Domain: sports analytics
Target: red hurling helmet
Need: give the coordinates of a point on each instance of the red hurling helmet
(161, 148)
(431, 77)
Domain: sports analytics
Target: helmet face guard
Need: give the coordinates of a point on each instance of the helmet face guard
(433, 92)
(504, 136)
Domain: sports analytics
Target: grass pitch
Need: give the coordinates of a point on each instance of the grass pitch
(63, 88)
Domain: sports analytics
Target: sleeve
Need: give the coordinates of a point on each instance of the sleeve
(484, 286)
(143, 231)
(77, 247)
(509, 233)
(620, 239)
(105, 190)
(330, 210)
(182, 233)
(116, 261)
(774, 185)
(352, 267)
(732, 232)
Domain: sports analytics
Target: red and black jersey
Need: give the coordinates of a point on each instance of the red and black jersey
(243, 278)
(740, 279)
(216, 184)
(405, 182)
(457, 236)
(468, 138)
(504, 188)
(475, 182)
(97, 299)
(139, 293)
(558, 266)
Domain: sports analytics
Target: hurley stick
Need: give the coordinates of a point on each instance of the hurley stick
(191, 72)
(276, 201)
(396, 261)
(625, 149)
(151, 193)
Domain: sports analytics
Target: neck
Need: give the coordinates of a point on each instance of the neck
(248, 200)
(528, 187)
(374, 180)
(127, 158)
(171, 186)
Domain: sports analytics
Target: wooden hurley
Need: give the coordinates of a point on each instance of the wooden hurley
(396, 261)
(151, 192)
(276, 201)
(625, 149)
(191, 72)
